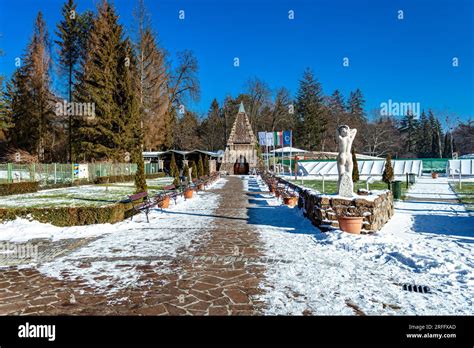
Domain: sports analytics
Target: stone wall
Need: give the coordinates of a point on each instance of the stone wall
(376, 208)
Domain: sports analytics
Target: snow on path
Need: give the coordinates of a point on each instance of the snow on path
(429, 188)
(325, 271)
(126, 244)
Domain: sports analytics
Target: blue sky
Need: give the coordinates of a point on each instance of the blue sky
(407, 60)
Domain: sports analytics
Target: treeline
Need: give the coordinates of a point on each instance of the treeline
(314, 117)
(123, 94)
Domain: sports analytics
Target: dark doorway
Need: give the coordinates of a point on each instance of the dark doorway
(241, 166)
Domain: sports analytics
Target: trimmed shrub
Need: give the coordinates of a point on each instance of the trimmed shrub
(388, 175)
(207, 171)
(355, 168)
(140, 177)
(156, 175)
(18, 188)
(173, 166)
(200, 167)
(124, 178)
(194, 171)
(71, 216)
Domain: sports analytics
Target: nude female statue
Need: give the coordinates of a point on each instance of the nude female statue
(345, 136)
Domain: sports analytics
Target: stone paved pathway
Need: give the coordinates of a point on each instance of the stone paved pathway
(218, 275)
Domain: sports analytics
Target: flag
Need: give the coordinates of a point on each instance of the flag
(277, 138)
(287, 138)
(262, 138)
(269, 139)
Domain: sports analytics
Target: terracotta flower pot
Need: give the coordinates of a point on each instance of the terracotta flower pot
(290, 201)
(188, 193)
(434, 175)
(350, 224)
(165, 203)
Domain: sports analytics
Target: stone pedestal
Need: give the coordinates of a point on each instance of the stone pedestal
(376, 209)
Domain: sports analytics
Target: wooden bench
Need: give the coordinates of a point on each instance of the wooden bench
(172, 191)
(198, 182)
(141, 202)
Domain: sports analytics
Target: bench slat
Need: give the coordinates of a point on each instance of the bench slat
(137, 196)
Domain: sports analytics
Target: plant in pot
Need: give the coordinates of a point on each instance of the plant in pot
(350, 223)
(165, 202)
(290, 200)
(188, 192)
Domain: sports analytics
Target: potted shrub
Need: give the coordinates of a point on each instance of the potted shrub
(434, 175)
(290, 201)
(350, 224)
(165, 203)
(188, 193)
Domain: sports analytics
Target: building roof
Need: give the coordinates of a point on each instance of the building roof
(157, 154)
(241, 132)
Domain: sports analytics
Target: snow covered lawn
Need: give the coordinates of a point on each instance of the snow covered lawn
(111, 260)
(84, 195)
(425, 243)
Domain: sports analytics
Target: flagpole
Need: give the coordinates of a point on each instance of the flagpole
(274, 153)
(291, 146)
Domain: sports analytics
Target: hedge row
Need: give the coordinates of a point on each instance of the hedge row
(71, 216)
(18, 187)
(123, 178)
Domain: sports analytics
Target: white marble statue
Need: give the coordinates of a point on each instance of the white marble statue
(345, 136)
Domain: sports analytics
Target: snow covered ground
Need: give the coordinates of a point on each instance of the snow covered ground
(429, 188)
(83, 195)
(112, 258)
(425, 243)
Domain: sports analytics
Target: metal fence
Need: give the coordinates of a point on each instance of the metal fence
(60, 173)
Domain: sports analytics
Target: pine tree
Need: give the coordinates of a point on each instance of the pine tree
(424, 136)
(212, 128)
(29, 98)
(311, 118)
(9, 105)
(355, 168)
(436, 147)
(200, 169)
(337, 116)
(71, 34)
(6, 121)
(206, 166)
(355, 108)
(153, 80)
(409, 127)
(109, 83)
(388, 175)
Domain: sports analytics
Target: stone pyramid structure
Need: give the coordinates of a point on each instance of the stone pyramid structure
(240, 155)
